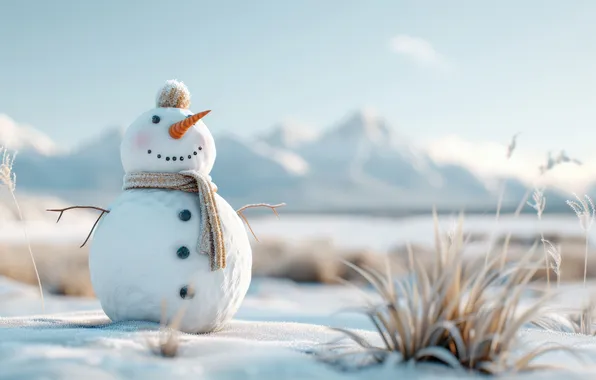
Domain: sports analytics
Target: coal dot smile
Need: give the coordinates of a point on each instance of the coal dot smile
(175, 158)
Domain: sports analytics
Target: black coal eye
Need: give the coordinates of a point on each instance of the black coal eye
(155, 119)
(188, 116)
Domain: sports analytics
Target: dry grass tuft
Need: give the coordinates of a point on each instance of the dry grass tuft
(9, 179)
(576, 321)
(168, 340)
(586, 213)
(460, 314)
(581, 322)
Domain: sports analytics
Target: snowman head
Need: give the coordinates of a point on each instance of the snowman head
(169, 138)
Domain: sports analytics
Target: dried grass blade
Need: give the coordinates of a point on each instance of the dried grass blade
(523, 362)
(441, 354)
(361, 341)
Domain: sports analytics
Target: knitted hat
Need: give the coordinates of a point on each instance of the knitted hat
(173, 94)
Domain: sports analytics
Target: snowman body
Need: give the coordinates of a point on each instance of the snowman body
(145, 252)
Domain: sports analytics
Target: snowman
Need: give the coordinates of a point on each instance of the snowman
(169, 243)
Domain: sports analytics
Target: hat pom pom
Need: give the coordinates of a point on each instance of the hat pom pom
(173, 94)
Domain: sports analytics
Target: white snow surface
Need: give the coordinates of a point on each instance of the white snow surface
(272, 337)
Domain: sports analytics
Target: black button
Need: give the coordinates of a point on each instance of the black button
(186, 293)
(183, 252)
(184, 215)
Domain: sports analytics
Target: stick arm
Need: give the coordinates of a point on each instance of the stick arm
(62, 210)
(257, 205)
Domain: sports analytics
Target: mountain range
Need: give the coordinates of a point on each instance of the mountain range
(360, 164)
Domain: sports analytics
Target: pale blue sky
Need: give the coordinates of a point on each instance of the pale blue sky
(73, 68)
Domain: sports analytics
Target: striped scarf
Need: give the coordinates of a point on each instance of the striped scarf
(211, 242)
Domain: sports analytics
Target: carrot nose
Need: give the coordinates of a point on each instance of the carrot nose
(177, 130)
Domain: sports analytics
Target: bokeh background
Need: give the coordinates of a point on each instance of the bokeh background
(361, 116)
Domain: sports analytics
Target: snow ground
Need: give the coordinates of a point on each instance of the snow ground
(277, 325)
(271, 337)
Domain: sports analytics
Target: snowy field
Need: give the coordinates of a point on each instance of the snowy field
(272, 336)
(278, 326)
(378, 234)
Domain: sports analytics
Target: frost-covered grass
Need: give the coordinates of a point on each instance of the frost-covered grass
(8, 179)
(465, 315)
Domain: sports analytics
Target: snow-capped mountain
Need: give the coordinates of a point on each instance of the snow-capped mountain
(106, 143)
(90, 172)
(358, 164)
(365, 150)
(349, 145)
(360, 152)
(23, 138)
(288, 135)
(245, 168)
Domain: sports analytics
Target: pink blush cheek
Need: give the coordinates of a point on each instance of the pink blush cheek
(142, 140)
